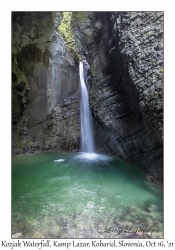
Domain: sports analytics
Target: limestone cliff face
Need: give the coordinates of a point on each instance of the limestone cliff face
(45, 85)
(125, 53)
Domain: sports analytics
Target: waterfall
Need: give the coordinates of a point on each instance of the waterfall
(87, 140)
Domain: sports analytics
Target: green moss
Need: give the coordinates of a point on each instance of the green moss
(65, 30)
(160, 70)
(80, 15)
(77, 17)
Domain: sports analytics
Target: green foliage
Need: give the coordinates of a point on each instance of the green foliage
(77, 17)
(65, 30)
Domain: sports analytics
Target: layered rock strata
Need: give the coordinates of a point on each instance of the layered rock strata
(125, 53)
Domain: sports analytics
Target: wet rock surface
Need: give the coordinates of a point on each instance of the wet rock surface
(125, 53)
(59, 131)
(44, 85)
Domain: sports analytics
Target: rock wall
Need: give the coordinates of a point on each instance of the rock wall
(125, 53)
(45, 85)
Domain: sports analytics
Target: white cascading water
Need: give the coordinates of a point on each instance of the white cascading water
(87, 140)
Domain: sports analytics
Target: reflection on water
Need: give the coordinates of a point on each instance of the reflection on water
(84, 195)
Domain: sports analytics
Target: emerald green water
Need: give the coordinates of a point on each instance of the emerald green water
(62, 195)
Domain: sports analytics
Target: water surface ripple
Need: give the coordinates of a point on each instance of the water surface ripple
(83, 195)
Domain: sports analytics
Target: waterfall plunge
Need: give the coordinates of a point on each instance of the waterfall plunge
(87, 140)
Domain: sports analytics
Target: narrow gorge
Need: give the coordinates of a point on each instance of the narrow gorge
(122, 57)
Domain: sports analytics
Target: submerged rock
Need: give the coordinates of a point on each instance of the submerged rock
(38, 235)
(17, 235)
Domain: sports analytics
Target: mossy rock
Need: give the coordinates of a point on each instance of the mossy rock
(65, 30)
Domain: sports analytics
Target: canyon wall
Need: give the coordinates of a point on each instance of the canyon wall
(125, 53)
(45, 85)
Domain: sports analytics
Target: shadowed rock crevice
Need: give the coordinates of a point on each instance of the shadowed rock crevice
(126, 83)
(45, 85)
(125, 54)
